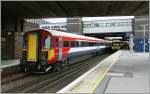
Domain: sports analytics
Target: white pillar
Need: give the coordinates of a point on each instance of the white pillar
(144, 30)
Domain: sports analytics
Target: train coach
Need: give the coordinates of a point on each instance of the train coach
(51, 49)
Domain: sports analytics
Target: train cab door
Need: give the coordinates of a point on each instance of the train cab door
(32, 46)
(60, 48)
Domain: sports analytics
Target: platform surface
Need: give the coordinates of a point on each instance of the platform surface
(123, 72)
(134, 68)
(9, 63)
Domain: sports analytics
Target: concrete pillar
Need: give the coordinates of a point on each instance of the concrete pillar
(74, 25)
(11, 39)
(22, 26)
(18, 38)
(28, 26)
(18, 45)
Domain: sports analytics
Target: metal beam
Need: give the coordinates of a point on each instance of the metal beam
(63, 8)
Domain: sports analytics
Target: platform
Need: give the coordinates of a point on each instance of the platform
(9, 63)
(122, 72)
(134, 68)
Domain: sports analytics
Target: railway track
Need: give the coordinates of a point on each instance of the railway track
(14, 77)
(52, 82)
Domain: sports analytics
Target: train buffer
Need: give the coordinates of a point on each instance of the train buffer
(122, 72)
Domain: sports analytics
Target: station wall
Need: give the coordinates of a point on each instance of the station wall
(9, 27)
(7, 45)
(107, 26)
(139, 37)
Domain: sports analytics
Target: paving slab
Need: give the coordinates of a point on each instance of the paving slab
(135, 67)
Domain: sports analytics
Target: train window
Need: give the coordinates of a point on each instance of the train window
(90, 44)
(47, 44)
(74, 44)
(83, 44)
(97, 44)
(86, 44)
(94, 44)
(66, 44)
(103, 44)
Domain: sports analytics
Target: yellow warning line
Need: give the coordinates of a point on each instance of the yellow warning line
(100, 79)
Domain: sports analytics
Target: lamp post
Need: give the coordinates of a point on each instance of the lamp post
(144, 29)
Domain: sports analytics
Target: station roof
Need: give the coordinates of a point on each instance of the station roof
(46, 9)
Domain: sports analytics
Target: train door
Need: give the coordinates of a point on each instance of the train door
(32, 46)
(60, 49)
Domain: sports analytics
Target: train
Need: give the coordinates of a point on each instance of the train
(118, 44)
(45, 49)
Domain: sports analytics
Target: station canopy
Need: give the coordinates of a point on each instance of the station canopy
(47, 9)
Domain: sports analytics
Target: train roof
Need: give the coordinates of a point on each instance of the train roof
(66, 34)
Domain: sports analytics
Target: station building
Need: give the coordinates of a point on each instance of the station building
(96, 26)
(101, 28)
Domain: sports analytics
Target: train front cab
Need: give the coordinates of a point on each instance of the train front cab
(37, 50)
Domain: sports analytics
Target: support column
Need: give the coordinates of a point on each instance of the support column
(74, 25)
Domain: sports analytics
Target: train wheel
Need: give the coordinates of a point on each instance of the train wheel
(44, 69)
(66, 63)
(57, 66)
